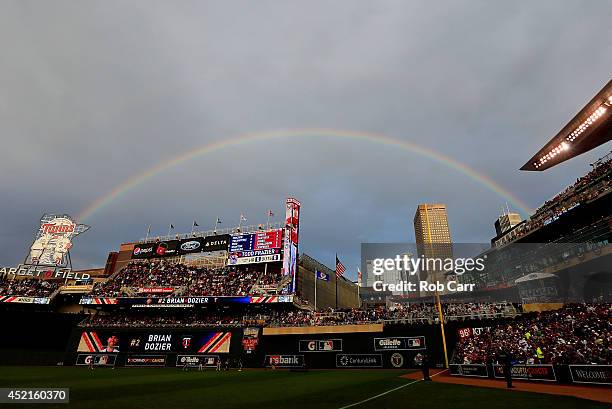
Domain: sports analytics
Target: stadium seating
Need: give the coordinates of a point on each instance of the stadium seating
(186, 280)
(593, 184)
(29, 287)
(406, 314)
(576, 334)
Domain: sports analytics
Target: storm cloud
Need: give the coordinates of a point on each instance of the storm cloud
(94, 93)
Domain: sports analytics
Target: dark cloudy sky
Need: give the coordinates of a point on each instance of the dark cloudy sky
(92, 93)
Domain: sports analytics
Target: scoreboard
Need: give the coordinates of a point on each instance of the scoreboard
(267, 240)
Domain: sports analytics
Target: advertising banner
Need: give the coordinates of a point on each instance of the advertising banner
(96, 359)
(145, 360)
(168, 248)
(234, 258)
(194, 361)
(359, 361)
(469, 370)
(399, 343)
(528, 372)
(219, 242)
(595, 374)
(284, 361)
(320, 345)
(188, 246)
(23, 300)
(144, 250)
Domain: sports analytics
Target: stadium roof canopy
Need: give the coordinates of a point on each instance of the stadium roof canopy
(591, 127)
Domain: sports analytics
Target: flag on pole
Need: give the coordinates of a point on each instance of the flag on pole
(359, 277)
(322, 276)
(171, 226)
(195, 224)
(270, 213)
(340, 269)
(242, 218)
(218, 220)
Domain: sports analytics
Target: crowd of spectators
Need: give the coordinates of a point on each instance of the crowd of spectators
(30, 287)
(413, 313)
(185, 280)
(591, 185)
(575, 334)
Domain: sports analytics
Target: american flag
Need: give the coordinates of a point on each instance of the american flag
(340, 269)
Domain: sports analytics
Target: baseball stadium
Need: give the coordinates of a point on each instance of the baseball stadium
(243, 316)
(350, 204)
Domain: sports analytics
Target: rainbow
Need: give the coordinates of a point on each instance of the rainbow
(252, 137)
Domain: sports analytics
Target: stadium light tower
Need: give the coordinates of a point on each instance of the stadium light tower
(590, 128)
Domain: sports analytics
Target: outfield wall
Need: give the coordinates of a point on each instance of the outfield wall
(367, 346)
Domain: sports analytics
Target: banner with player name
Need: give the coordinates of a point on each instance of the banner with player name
(106, 341)
(183, 302)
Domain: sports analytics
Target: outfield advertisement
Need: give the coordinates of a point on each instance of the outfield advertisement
(284, 361)
(528, 372)
(207, 361)
(479, 370)
(399, 343)
(359, 361)
(145, 360)
(96, 359)
(595, 374)
(320, 345)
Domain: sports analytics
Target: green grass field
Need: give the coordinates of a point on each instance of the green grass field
(171, 388)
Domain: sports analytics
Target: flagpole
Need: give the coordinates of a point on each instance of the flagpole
(192, 227)
(315, 290)
(148, 232)
(336, 261)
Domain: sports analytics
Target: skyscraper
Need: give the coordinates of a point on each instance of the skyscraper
(433, 237)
